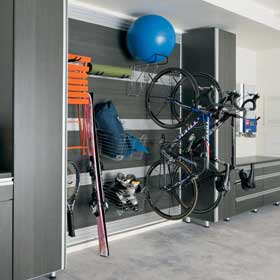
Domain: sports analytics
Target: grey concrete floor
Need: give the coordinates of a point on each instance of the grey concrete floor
(247, 248)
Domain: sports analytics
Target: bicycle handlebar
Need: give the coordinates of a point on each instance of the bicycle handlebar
(231, 100)
(251, 100)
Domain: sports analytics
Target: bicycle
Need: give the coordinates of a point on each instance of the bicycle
(184, 165)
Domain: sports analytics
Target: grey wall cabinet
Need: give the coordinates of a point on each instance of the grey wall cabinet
(6, 245)
(267, 191)
(36, 62)
(213, 51)
(6, 229)
(39, 129)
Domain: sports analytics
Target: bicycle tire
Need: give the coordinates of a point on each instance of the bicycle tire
(211, 208)
(185, 209)
(194, 88)
(213, 173)
(212, 82)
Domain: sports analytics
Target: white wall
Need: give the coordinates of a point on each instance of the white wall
(246, 72)
(268, 83)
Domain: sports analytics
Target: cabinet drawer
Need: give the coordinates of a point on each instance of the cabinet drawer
(241, 192)
(6, 189)
(6, 248)
(270, 183)
(272, 197)
(249, 204)
(274, 168)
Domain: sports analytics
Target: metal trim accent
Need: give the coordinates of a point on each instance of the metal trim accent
(255, 195)
(88, 14)
(4, 184)
(6, 180)
(260, 165)
(217, 50)
(64, 131)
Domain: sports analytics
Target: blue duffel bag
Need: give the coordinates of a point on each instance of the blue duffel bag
(113, 140)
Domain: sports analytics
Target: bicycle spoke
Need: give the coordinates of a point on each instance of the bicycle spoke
(161, 108)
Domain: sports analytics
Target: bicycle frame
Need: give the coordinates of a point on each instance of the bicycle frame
(204, 117)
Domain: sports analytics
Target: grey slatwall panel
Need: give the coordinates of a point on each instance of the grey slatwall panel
(84, 218)
(106, 46)
(128, 107)
(153, 138)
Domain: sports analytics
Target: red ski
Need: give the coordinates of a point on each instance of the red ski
(95, 171)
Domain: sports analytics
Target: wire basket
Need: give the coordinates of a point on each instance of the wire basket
(142, 75)
(120, 147)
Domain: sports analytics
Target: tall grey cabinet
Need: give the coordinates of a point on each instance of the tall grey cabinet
(32, 137)
(213, 51)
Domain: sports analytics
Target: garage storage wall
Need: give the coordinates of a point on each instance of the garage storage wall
(106, 45)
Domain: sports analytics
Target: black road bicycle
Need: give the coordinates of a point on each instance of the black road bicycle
(173, 183)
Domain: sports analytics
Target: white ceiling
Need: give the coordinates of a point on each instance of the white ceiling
(187, 14)
(270, 4)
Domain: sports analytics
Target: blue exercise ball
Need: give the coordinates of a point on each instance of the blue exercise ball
(151, 38)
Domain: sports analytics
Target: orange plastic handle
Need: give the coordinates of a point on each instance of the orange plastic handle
(77, 68)
(79, 58)
(77, 75)
(77, 82)
(77, 101)
(77, 88)
(77, 94)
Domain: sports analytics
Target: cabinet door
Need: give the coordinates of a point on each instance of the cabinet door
(6, 233)
(39, 125)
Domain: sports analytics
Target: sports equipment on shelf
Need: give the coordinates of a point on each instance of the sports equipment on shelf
(110, 71)
(151, 38)
(73, 187)
(121, 192)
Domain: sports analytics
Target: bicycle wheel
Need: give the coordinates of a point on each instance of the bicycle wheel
(205, 81)
(205, 204)
(165, 183)
(164, 91)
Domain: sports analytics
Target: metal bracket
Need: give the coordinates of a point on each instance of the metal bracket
(189, 220)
